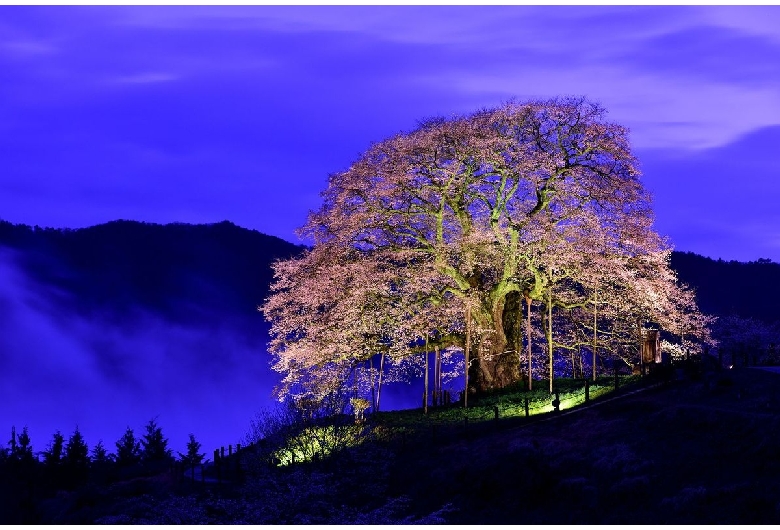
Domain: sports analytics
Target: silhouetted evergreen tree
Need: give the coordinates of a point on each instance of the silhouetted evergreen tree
(76, 459)
(20, 480)
(101, 464)
(192, 458)
(23, 449)
(18, 459)
(19, 446)
(101, 457)
(155, 445)
(12, 443)
(52, 456)
(128, 449)
(52, 460)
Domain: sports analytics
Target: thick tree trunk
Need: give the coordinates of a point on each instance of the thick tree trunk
(494, 366)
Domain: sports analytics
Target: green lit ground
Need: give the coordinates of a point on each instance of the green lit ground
(500, 410)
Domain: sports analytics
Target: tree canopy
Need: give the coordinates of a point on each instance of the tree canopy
(440, 236)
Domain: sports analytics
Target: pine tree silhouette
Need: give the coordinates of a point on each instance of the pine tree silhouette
(76, 458)
(128, 449)
(12, 445)
(24, 446)
(193, 457)
(102, 464)
(155, 452)
(19, 446)
(52, 460)
(52, 456)
(100, 457)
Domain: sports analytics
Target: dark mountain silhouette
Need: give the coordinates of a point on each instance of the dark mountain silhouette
(189, 274)
(196, 274)
(747, 289)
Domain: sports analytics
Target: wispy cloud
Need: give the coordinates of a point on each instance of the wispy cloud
(756, 20)
(145, 78)
(719, 202)
(27, 48)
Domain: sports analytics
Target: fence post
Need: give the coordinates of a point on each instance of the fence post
(238, 463)
(617, 383)
(526, 407)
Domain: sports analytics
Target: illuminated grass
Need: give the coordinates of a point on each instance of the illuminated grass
(510, 404)
(317, 442)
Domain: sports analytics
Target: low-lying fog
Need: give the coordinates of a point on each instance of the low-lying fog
(60, 370)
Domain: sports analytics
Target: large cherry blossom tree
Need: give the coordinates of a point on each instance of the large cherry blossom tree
(428, 235)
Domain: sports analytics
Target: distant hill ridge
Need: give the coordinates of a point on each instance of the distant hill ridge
(183, 272)
(748, 289)
(198, 273)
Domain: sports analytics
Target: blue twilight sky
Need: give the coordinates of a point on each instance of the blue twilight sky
(201, 114)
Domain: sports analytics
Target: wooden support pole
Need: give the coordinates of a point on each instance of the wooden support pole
(425, 392)
(466, 368)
